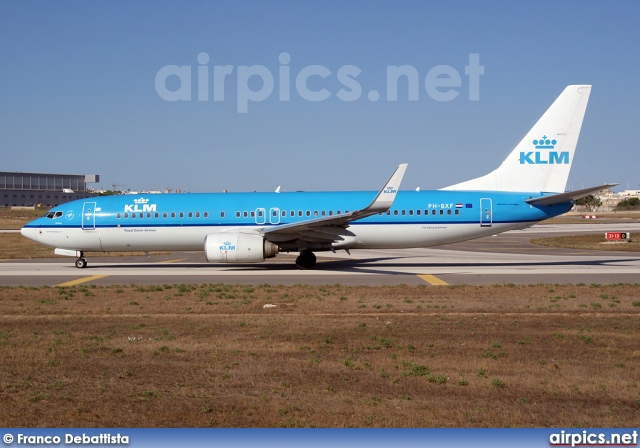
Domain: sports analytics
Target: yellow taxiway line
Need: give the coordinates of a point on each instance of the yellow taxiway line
(81, 280)
(432, 280)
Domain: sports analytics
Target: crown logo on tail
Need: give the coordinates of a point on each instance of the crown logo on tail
(545, 143)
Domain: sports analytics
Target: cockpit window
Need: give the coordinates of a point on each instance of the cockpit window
(53, 215)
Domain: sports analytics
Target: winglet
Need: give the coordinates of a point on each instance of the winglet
(385, 197)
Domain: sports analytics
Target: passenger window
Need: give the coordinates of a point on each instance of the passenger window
(323, 213)
(418, 212)
(403, 213)
(245, 214)
(274, 213)
(133, 215)
(206, 214)
(182, 214)
(410, 212)
(173, 214)
(293, 213)
(388, 212)
(330, 212)
(221, 214)
(126, 215)
(197, 214)
(433, 212)
(237, 214)
(164, 214)
(118, 215)
(299, 212)
(457, 212)
(308, 212)
(448, 212)
(442, 212)
(253, 214)
(337, 212)
(156, 215)
(148, 215)
(284, 213)
(315, 213)
(190, 214)
(395, 212)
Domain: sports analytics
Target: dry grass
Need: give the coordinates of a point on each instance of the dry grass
(589, 242)
(333, 356)
(15, 219)
(603, 218)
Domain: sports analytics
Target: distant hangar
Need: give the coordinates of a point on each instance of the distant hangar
(40, 189)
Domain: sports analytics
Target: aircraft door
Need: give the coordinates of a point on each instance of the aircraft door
(274, 216)
(89, 216)
(261, 217)
(486, 217)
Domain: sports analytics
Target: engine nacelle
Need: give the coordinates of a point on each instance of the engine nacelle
(235, 247)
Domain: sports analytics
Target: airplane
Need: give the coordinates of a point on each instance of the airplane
(528, 187)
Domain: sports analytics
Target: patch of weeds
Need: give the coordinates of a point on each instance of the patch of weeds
(586, 339)
(463, 382)
(373, 401)
(596, 305)
(481, 373)
(497, 383)
(329, 340)
(39, 397)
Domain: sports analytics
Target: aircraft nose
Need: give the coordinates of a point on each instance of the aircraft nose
(29, 232)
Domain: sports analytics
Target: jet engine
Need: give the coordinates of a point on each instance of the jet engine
(236, 247)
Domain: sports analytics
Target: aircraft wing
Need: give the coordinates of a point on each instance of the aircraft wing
(561, 198)
(323, 229)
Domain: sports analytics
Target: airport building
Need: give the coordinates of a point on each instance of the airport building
(46, 190)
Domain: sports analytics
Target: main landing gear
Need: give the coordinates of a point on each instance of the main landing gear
(81, 262)
(306, 260)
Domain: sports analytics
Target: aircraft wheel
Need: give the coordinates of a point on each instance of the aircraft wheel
(81, 263)
(306, 260)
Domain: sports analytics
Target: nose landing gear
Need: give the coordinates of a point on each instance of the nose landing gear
(81, 262)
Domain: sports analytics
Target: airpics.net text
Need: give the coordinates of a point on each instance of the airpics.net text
(255, 83)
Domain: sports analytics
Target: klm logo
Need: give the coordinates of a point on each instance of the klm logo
(544, 158)
(227, 246)
(140, 205)
(390, 190)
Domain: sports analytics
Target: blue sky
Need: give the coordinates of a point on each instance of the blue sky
(78, 90)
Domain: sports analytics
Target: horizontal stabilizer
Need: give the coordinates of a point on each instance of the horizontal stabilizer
(561, 198)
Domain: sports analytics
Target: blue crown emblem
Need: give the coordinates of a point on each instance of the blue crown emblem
(545, 143)
(141, 201)
(227, 243)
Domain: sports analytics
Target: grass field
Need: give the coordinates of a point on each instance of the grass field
(317, 356)
(334, 356)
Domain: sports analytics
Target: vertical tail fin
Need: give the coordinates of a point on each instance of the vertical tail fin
(542, 160)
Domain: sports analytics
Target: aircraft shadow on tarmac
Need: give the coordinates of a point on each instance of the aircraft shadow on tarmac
(381, 265)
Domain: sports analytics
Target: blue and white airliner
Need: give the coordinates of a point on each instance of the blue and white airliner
(528, 187)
